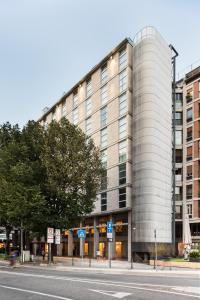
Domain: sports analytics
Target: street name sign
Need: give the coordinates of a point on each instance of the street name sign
(81, 233)
(50, 235)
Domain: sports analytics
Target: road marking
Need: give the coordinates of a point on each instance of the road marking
(118, 295)
(33, 292)
(108, 283)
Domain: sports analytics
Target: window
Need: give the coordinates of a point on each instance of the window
(189, 134)
(104, 180)
(178, 212)
(122, 81)
(189, 172)
(189, 114)
(178, 175)
(104, 94)
(189, 210)
(122, 174)
(122, 197)
(104, 137)
(122, 59)
(104, 158)
(75, 100)
(122, 128)
(122, 151)
(179, 100)
(189, 96)
(75, 116)
(179, 158)
(104, 74)
(103, 201)
(63, 109)
(88, 126)
(103, 113)
(189, 191)
(88, 88)
(122, 104)
(178, 117)
(178, 193)
(178, 137)
(88, 106)
(189, 153)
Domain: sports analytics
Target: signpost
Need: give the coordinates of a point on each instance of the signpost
(57, 236)
(81, 236)
(50, 240)
(109, 237)
(81, 233)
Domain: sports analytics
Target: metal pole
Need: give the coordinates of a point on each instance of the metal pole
(109, 253)
(49, 254)
(21, 242)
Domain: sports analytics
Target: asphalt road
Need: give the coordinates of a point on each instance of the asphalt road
(41, 283)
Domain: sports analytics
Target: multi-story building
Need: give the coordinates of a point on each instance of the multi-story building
(188, 154)
(124, 104)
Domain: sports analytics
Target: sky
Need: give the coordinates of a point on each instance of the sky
(46, 46)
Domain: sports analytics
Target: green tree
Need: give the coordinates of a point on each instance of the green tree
(73, 171)
(48, 177)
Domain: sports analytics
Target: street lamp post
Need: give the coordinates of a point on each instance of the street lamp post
(155, 250)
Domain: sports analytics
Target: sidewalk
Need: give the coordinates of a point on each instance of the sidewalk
(117, 267)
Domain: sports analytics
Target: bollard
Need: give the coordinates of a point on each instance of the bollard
(72, 261)
(90, 262)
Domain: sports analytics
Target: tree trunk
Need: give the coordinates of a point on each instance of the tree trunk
(8, 230)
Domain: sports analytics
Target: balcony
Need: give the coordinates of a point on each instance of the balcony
(189, 176)
(178, 197)
(188, 98)
(189, 119)
(189, 196)
(189, 138)
(189, 157)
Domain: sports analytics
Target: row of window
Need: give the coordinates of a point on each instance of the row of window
(122, 199)
(122, 150)
(122, 191)
(103, 114)
(104, 79)
(122, 132)
(103, 111)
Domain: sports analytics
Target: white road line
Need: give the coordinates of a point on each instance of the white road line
(118, 295)
(108, 283)
(33, 292)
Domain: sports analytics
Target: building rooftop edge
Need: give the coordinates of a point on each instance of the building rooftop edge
(114, 50)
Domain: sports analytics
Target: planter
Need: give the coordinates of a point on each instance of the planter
(194, 259)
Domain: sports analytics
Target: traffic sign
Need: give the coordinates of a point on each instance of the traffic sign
(57, 236)
(109, 230)
(50, 235)
(81, 233)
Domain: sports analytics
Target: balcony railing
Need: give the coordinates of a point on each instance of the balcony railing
(189, 119)
(189, 157)
(178, 197)
(189, 176)
(188, 196)
(189, 138)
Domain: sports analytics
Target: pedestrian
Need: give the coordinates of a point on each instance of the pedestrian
(43, 254)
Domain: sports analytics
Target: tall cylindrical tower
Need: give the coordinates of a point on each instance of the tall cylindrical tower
(152, 140)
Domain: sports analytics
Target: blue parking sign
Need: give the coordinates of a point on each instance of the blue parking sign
(109, 229)
(81, 233)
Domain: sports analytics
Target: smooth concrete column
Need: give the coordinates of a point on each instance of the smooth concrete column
(96, 238)
(129, 235)
(70, 243)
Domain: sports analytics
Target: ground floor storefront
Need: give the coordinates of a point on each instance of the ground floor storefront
(96, 244)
